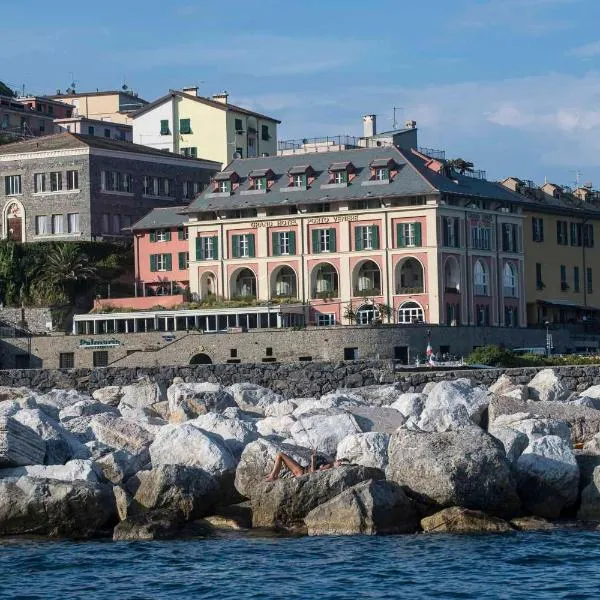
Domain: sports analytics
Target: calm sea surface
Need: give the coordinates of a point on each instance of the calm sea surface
(521, 565)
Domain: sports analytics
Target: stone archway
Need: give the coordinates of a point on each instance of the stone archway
(14, 229)
(201, 359)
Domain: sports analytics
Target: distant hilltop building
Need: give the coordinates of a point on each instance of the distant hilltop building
(186, 123)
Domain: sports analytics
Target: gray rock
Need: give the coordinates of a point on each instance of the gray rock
(507, 386)
(280, 409)
(19, 445)
(74, 470)
(235, 433)
(80, 428)
(278, 427)
(254, 398)
(379, 395)
(368, 508)
(462, 520)
(186, 493)
(110, 395)
(158, 525)
(120, 434)
(286, 502)
(546, 387)
(340, 399)
(465, 468)
(55, 508)
(55, 400)
(323, 430)
(119, 465)
(61, 444)
(190, 400)
(589, 509)
(410, 404)
(534, 427)
(85, 408)
(513, 441)
(548, 477)
(383, 419)
(367, 449)
(583, 422)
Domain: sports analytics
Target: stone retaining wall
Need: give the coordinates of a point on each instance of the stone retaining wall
(290, 379)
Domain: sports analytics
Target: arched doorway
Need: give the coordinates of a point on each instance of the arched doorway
(510, 281)
(13, 222)
(283, 283)
(200, 359)
(243, 284)
(410, 277)
(367, 279)
(480, 279)
(208, 284)
(411, 312)
(324, 279)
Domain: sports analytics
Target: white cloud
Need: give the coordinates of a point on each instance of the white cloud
(587, 51)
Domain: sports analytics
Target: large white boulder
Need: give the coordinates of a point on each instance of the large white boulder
(55, 400)
(120, 434)
(187, 445)
(342, 399)
(74, 470)
(252, 397)
(548, 476)
(410, 404)
(378, 395)
(110, 395)
(279, 427)
(190, 400)
(235, 433)
(546, 386)
(367, 449)
(118, 465)
(19, 445)
(280, 409)
(534, 427)
(506, 386)
(85, 408)
(323, 430)
(61, 444)
(513, 440)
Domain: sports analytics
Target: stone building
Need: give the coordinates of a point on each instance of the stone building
(80, 187)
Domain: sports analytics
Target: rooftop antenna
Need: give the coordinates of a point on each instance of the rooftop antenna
(73, 82)
(578, 175)
(395, 123)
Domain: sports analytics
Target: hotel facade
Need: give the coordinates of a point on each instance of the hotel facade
(357, 236)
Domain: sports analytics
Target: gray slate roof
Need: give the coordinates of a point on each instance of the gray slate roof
(413, 179)
(161, 218)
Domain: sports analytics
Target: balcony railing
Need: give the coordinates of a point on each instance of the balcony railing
(409, 290)
(433, 152)
(324, 294)
(366, 292)
(452, 290)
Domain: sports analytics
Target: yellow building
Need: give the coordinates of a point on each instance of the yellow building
(115, 105)
(562, 265)
(210, 128)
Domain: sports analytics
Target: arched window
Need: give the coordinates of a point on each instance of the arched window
(367, 279)
(324, 281)
(366, 313)
(480, 279)
(244, 284)
(284, 283)
(510, 281)
(411, 312)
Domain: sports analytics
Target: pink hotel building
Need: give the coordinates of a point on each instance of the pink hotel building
(365, 228)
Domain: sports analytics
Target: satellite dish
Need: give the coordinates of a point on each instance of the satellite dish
(236, 155)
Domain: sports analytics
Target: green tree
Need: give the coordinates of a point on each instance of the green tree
(65, 271)
(461, 165)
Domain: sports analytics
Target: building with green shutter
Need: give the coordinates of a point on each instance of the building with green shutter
(378, 233)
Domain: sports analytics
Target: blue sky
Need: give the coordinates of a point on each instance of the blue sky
(513, 85)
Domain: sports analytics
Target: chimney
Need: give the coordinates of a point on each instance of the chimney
(369, 126)
(222, 97)
(192, 90)
(410, 124)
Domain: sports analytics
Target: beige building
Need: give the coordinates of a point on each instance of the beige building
(84, 125)
(115, 106)
(562, 266)
(210, 128)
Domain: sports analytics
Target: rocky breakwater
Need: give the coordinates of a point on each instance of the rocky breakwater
(147, 461)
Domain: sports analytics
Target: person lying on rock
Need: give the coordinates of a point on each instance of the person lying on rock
(318, 462)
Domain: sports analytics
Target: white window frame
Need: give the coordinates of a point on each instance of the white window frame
(298, 180)
(409, 233)
(480, 280)
(13, 185)
(366, 315)
(73, 180)
(57, 224)
(161, 262)
(367, 237)
(284, 243)
(73, 222)
(244, 246)
(41, 225)
(260, 183)
(207, 248)
(39, 181)
(325, 319)
(481, 237)
(449, 226)
(409, 314)
(324, 236)
(224, 187)
(56, 181)
(338, 177)
(161, 235)
(509, 280)
(382, 174)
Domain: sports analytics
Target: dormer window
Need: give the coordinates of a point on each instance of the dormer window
(382, 174)
(340, 177)
(299, 176)
(224, 182)
(259, 179)
(340, 172)
(260, 183)
(382, 169)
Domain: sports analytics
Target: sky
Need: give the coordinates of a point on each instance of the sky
(511, 85)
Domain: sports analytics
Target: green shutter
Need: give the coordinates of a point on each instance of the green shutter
(235, 246)
(417, 227)
(358, 245)
(168, 235)
(214, 242)
(153, 236)
(153, 263)
(400, 236)
(292, 238)
(180, 234)
(275, 246)
(375, 236)
(332, 244)
(251, 249)
(164, 127)
(169, 262)
(199, 255)
(184, 126)
(181, 261)
(315, 241)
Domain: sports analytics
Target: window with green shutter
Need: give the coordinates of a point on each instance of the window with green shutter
(168, 262)
(375, 237)
(251, 247)
(185, 126)
(153, 236)
(316, 245)
(400, 243)
(238, 125)
(199, 249)
(183, 260)
(153, 268)
(275, 246)
(214, 242)
(417, 229)
(292, 241)
(235, 246)
(358, 238)
(332, 241)
(164, 127)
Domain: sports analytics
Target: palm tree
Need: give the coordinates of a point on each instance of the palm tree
(460, 165)
(65, 269)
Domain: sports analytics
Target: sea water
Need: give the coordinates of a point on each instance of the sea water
(549, 565)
